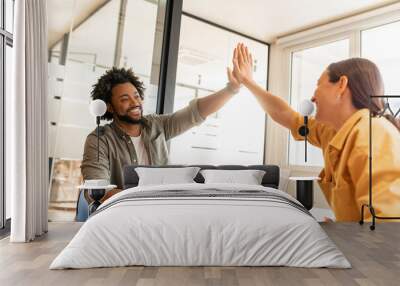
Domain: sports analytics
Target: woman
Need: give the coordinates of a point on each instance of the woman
(341, 129)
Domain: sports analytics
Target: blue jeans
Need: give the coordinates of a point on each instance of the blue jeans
(81, 208)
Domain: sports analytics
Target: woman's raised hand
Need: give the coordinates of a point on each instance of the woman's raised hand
(242, 64)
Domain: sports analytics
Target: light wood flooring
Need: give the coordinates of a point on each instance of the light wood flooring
(374, 255)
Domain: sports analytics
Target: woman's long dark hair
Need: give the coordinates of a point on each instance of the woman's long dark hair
(364, 80)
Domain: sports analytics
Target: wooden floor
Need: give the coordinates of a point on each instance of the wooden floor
(375, 257)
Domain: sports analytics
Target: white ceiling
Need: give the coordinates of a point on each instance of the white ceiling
(268, 19)
(262, 19)
(61, 13)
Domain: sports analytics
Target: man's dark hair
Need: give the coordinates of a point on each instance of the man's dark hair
(102, 89)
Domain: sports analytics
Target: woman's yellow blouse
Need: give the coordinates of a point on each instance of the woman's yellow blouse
(345, 177)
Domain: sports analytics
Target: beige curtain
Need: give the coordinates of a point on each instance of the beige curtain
(26, 119)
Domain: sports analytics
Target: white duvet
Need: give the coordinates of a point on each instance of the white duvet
(200, 231)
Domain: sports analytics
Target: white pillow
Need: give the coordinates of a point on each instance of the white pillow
(165, 176)
(248, 177)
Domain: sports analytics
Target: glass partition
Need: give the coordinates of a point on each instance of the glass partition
(235, 134)
(91, 39)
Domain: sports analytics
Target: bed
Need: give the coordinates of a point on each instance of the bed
(201, 224)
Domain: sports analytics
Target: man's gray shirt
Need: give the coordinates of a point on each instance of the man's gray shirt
(117, 150)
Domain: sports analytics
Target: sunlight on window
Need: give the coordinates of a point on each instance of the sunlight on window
(307, 66)
(373, 42)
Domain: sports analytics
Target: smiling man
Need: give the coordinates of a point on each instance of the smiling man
(136, 139)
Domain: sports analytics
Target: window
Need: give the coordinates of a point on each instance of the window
(373, 42)
(9, 19)
(6, 43)
(8, 86)
(307, 66)
(2, 137)
(235, 134)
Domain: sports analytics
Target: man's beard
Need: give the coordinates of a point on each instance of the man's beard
(127, 119)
